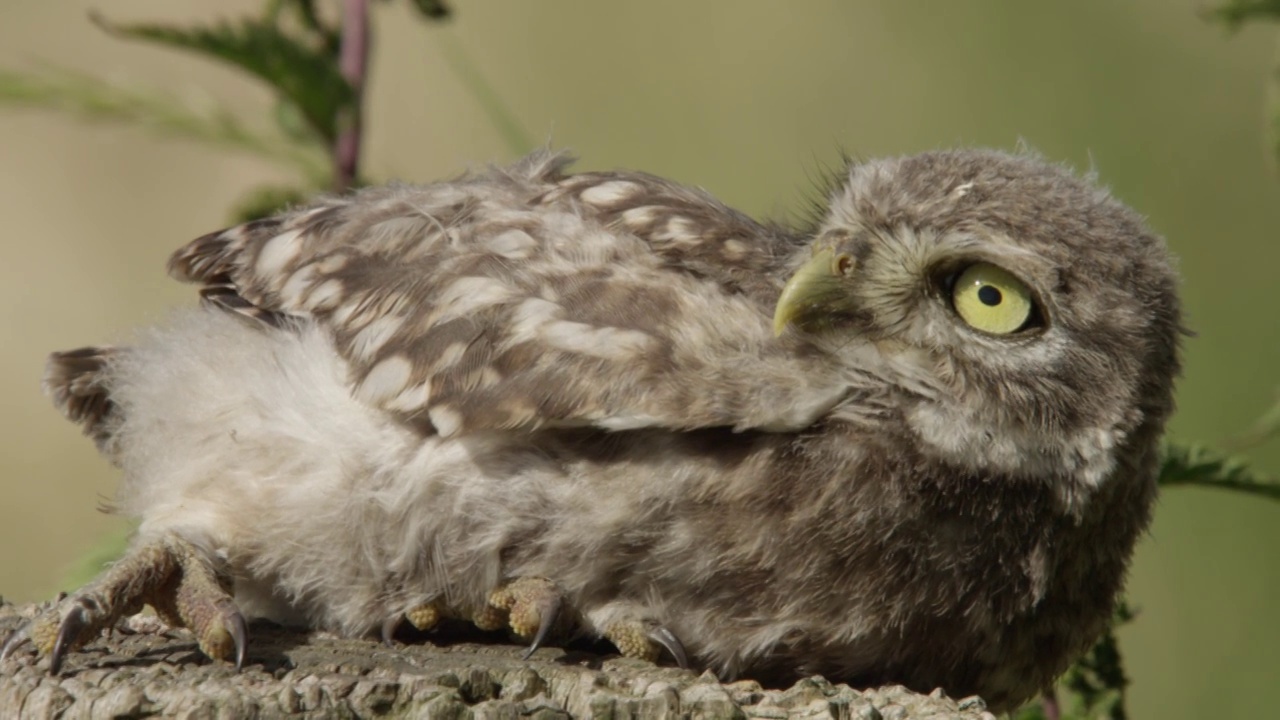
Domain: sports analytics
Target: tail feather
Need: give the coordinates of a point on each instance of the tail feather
(76, 380)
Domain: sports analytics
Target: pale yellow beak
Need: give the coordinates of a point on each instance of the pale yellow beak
(813, 288)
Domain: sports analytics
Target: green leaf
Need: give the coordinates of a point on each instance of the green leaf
(1238, 12)
(267, 201)
(326, 37)
(1031, 711)
(432, 9)
(305, 10)
(306, 77)
(93, 99)
(512, 131)
(1197, 465)
(1095, 684)
(1093, 687)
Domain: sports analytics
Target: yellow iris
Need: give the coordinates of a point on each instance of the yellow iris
(991, 299)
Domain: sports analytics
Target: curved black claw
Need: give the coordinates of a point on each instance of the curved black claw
(239, 635)
(549, 613)
(668, 640)
(16, 639)
(389, 630)
(69, 630)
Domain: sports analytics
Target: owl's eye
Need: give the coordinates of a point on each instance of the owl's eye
(992, 300)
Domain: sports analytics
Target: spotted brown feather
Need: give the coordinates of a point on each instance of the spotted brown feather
(529, 298)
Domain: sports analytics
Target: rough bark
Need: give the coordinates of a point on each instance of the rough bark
(145, 669)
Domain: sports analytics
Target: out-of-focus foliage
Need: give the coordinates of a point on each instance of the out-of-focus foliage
(301, 70)
(1093, 688)
(432, 9)
(94, 99)
(1197, 465)
(291, 47)
(1238, 12)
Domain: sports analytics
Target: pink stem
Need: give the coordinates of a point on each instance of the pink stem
(1049, 703)
(353, 64)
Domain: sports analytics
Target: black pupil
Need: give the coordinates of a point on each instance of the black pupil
(989, 296)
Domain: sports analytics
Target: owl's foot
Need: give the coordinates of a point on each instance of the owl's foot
(530, 606)
(170, 575)
(422, 617)
(645, 640)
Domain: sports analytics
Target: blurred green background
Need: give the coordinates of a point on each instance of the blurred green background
(749, 100)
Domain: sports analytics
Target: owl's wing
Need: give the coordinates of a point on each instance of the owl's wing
(525, 298)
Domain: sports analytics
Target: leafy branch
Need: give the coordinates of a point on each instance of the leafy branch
(1197, 465)
(94, 99)
(316, 69)
(300, 73)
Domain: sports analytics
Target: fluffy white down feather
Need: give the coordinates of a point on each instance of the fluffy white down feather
(246, 441)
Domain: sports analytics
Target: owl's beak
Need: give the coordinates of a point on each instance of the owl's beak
(815, 287)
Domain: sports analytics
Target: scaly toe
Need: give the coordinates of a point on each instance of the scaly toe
(169, 574)
(422, 617)
(532, 605)
(489, 618)
(69, 625)
(225, 634)
(643, 640)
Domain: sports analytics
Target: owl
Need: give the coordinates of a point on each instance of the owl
(913, 441)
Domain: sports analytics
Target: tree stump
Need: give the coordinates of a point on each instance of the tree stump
(144, 669)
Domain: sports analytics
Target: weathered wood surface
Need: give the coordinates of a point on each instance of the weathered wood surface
(147, 670)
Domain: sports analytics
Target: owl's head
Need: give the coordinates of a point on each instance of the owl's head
(1023, 320)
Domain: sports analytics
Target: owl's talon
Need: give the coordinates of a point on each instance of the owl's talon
(16, 639)
(642, 638)
(389, 627)
(548, 615)
(668, 640)
(70, 630)
(239, 635)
